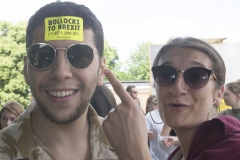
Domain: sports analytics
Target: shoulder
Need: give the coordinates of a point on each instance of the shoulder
(151, 114)
(98, 138)
(213, 136)
(8, 141)
(224, 124)
(230, 124)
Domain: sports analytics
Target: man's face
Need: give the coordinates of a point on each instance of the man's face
(61, 91)
(133, 93)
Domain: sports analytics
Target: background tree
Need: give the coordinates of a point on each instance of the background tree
(113, 63)
(110, 53)
(139, 63)
(12, 50)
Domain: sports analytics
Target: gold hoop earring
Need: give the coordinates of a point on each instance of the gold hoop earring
(210, 108)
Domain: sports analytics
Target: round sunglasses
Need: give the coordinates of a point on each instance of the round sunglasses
(195, 77)
(42, 55)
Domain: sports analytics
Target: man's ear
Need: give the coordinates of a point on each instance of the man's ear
(218, 95)
(101, 71)
(25, 70)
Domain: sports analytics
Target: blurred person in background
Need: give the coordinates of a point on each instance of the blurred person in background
(154, 123)
(9, 112)
(103, 100)
(232, 98)
(149, 103)
(131, 89)
(153, 130)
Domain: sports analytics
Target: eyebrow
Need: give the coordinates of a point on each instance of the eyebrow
(192, 62)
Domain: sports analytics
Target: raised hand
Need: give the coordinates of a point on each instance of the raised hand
(125, 127)
(170, 140)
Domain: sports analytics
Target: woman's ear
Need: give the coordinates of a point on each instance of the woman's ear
(218, 96)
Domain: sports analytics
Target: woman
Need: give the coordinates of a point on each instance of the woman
(150, 103)
(232, 98)
(9, 112)
(189, 76)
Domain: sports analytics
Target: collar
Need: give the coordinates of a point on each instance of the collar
(29, 147)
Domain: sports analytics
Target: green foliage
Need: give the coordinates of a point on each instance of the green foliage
(139, 63)
(110, 53)
(12, 50)
(113, 63)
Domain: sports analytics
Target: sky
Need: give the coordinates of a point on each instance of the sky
(128, 23)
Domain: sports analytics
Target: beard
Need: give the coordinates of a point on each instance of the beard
(86, 94)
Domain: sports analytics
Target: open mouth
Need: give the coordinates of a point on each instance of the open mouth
(176, 105)
(60, 94)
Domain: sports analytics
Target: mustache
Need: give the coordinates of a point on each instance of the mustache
(64, 84)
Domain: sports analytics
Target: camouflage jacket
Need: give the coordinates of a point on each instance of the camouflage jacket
(17, 141)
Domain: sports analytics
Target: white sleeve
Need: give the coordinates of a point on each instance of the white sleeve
(148, 122)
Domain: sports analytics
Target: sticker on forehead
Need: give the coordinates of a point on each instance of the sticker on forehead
(63, 28)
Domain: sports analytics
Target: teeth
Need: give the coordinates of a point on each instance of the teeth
(60, 93)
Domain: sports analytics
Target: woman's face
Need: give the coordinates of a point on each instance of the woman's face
(230, 98)
(183, 106)
(7, 118)
(153, 104)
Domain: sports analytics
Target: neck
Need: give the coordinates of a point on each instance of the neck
(185, 138)
(53, 135)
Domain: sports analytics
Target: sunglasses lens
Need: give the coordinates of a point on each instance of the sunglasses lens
(197, 77)
(80, 56)
(41, 56)
(164, 75)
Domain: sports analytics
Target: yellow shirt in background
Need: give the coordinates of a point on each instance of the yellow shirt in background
(223, 106)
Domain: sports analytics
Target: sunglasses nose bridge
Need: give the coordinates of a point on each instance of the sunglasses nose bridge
(65, 53)
(183, 72)
(178, 87)
(184, 76)
(60, 49)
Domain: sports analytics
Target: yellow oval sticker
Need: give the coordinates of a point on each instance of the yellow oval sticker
(63, 28)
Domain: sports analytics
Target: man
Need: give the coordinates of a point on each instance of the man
(133, 93)
(64, 65)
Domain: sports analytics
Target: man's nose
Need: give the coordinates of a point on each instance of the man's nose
(61, 69)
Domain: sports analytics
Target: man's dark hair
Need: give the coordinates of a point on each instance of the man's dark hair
(129, 88)
(59, 8)
(103, 100)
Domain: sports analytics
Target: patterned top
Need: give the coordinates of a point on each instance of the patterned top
(17, 141)
(232, 112)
